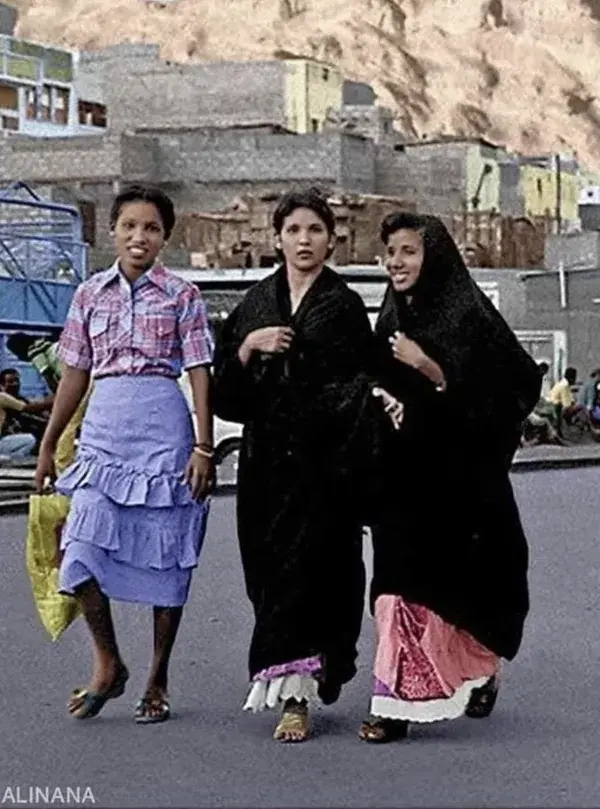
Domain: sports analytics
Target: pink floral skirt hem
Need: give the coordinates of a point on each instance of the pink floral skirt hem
(425, 669)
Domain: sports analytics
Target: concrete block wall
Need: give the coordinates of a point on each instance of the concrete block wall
(59, 159)
(435, 182)
(357, 170)
(250, 158)
(590, 217)
(374, 122)
(392, 174)
(140, 158)
(141, 89)
(574, 250)
(512, 199)
(512, 293)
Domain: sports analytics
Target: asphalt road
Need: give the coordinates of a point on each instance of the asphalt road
(540, 748)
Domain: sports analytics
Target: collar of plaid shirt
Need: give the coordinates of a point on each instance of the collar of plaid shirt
(155, 275)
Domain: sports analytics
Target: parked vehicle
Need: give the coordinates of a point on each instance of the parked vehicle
(228, 440)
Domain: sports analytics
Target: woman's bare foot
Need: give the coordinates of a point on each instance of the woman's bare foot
(107, 682)
(294, 723)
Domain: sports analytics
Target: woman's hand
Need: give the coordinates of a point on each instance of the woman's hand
(45, 471)
(200, 475)
(392, 407)
(407, 351)
(271, 340)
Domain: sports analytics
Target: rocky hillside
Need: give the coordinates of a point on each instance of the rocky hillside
(519, 72)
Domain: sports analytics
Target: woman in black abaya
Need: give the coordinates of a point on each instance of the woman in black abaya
(291, 365)
(449, 588)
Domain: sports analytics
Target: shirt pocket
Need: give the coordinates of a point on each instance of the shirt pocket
(102, 333)
(161, 332)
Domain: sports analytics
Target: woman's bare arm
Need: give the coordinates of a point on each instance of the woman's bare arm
(71, 390)
(201, 384)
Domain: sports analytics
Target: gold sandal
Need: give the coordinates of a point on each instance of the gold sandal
(293, 725)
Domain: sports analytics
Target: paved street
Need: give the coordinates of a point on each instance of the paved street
(540, 748)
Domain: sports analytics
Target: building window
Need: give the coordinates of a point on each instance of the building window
(314, 124)
(325, 74)
(46, 106)
(9, 98)
(60, 111)
(539, 186)
(91, 114)
(10, 122)
(31, 104)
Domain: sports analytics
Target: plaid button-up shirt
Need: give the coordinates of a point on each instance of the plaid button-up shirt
(158, 325)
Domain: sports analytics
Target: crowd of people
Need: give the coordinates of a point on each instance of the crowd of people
(409, 429)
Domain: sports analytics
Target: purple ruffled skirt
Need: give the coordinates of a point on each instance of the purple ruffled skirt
(133, 525)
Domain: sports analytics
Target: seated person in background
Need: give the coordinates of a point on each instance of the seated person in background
(14, 446)
(588, 393)
(561, 396)
(539, 430)
(32, 418)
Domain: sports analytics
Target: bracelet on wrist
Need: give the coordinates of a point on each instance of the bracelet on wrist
(205, 450)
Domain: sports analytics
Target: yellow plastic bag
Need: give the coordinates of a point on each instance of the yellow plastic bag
(47, 514)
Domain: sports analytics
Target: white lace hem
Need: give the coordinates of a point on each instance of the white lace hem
(433, 710)
(270, 693)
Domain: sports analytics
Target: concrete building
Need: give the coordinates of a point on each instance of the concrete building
(368, 120)
(202, 170)
(444, 176)
(545, 192)
(573, 251)
(38, 97)
(138, 86)
(589, 207)
(556, 316)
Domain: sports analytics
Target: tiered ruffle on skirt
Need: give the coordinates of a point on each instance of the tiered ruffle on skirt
(133, 525)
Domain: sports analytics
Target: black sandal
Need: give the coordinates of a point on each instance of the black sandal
(483, 700)
(152, 710)
(382, 731)
(85, 704)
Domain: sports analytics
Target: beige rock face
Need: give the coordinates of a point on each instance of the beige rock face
(519, 72)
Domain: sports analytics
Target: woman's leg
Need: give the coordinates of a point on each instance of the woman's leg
(109, 673)
(154, 705)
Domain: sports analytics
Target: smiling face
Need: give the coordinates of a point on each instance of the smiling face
(139, 235)
(304, 240)
(404, 258)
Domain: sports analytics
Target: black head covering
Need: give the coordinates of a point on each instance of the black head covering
(489, 374)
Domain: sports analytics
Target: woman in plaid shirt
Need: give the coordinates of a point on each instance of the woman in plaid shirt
(140, 482)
